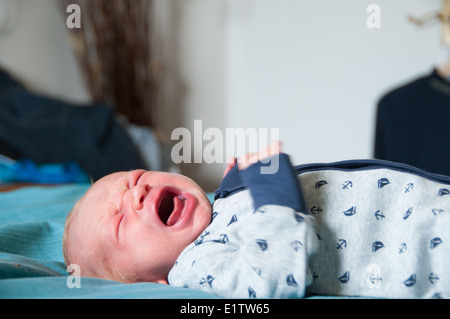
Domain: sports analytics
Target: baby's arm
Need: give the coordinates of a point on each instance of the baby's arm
(279, 187)
(263, 255)
(278, 238)
(265, 252)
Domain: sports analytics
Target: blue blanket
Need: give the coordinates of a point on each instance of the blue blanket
(31, 261)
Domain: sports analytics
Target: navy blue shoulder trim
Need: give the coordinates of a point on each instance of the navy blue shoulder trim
(280, 187)
(232, 183)
(369, 164)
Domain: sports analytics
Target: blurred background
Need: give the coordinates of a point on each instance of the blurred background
(314, 69)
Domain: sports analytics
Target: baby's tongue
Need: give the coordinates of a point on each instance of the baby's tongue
(178, 205)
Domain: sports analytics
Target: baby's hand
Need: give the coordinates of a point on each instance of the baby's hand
(231, 163)
(250, 158)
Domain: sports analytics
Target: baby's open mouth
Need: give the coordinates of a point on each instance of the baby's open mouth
(170, 208)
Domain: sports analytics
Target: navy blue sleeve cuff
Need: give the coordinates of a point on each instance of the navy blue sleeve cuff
(274, 182)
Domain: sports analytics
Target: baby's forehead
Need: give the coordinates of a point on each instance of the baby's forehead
(103, 192)
(107, 183)
(110, 178)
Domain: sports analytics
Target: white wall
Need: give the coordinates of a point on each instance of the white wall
(37, 51)
(316, 71)
(311, 68)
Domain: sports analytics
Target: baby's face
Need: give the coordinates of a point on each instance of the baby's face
(140, 221)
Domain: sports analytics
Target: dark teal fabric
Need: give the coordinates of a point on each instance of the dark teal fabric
(93, 288)
(31, 261)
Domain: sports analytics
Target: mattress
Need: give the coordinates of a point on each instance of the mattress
(31, 261)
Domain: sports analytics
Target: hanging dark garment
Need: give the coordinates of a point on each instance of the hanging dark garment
(413, 125)
(46, 130)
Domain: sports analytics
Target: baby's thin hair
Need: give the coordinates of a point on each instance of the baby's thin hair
(68, 224)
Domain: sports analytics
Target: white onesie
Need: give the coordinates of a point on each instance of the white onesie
(355, 228)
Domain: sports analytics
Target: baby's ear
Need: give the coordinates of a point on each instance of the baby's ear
(162, 281)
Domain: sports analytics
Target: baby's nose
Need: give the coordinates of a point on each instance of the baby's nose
(139, 193)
